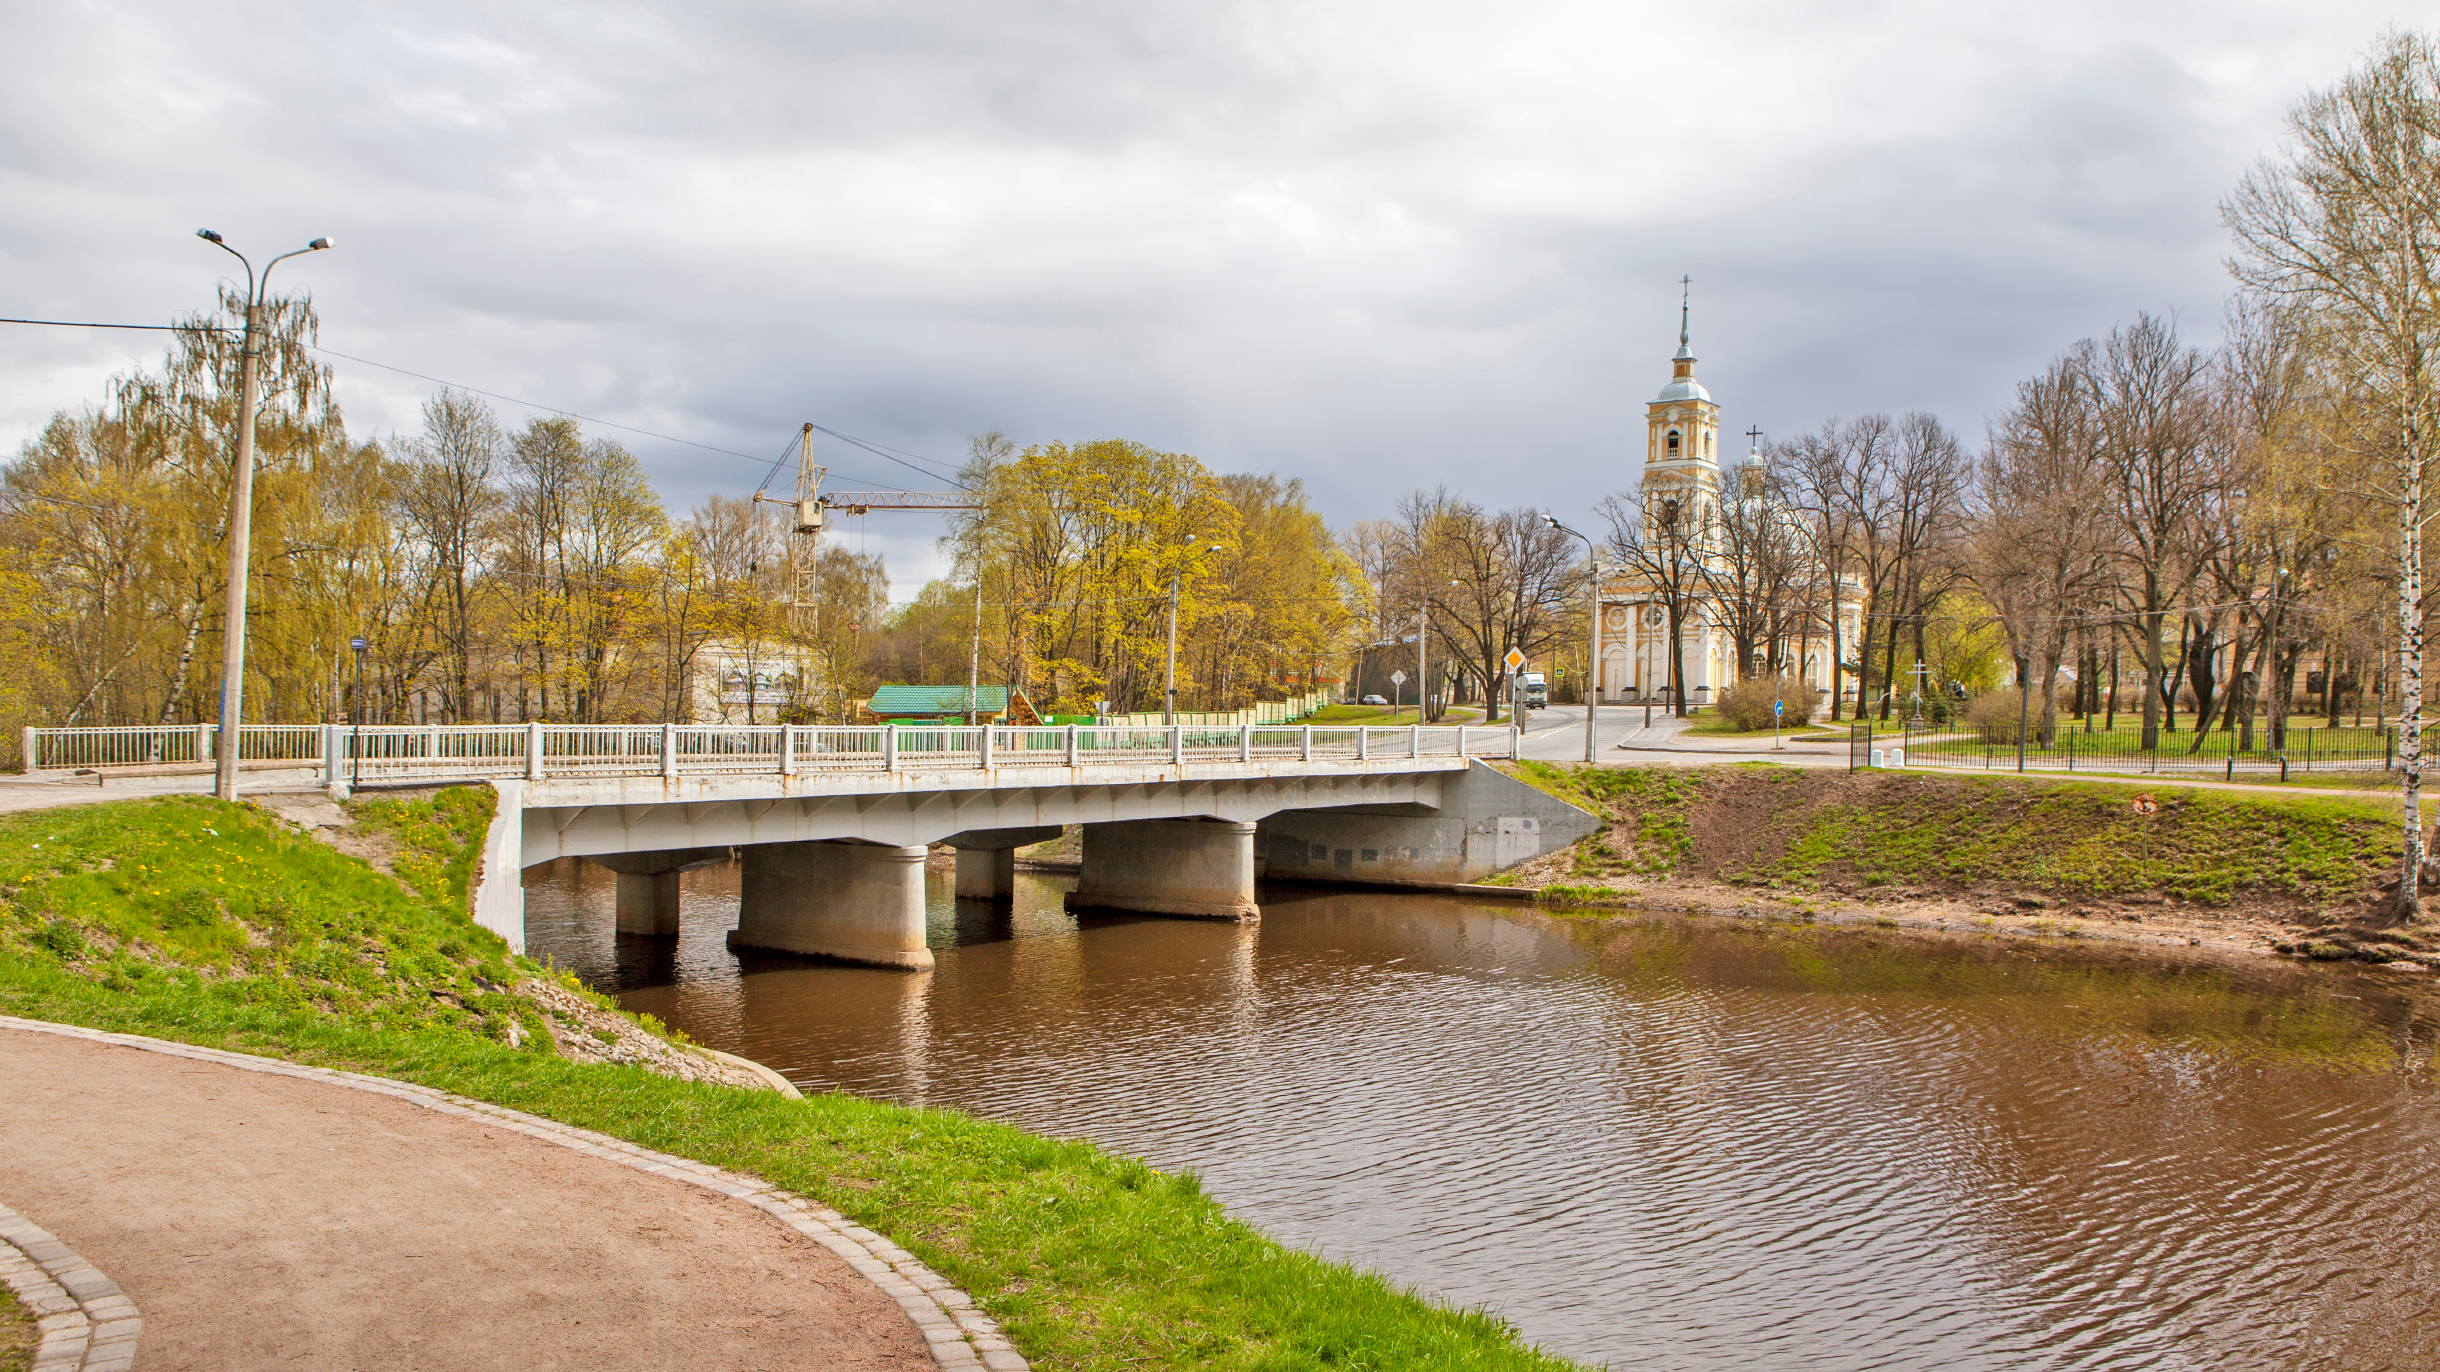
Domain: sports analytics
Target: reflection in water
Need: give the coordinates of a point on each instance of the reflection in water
(1670, 1143)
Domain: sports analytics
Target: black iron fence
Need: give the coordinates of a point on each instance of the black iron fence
(2226, 753)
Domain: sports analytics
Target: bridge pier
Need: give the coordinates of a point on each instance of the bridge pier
(648, 885)
(987, 859)
(1196, 868)
(843, 900)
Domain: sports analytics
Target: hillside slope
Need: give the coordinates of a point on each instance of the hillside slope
(2307, 872)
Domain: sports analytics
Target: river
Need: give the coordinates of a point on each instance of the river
(1671, 1143)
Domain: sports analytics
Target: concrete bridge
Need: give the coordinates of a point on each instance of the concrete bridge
(834, 823)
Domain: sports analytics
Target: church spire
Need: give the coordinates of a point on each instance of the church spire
(1685, 352)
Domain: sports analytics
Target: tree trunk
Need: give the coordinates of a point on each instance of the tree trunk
(2410, 662)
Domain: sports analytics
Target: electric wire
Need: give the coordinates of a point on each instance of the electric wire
(89, 324)
(873, 448)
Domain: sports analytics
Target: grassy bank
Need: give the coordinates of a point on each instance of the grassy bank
(2312, 865)
(218, 924)
(17, 1333)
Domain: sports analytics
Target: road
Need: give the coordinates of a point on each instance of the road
(1556, 734)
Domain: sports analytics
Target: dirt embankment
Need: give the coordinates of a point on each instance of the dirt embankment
(2304, 874)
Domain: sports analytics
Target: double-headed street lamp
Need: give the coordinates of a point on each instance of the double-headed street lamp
(1592, 674)
(241, 510)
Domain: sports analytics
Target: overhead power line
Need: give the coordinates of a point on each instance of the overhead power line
(873, 448)
(88, 324)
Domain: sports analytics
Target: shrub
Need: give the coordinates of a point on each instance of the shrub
(1995, 715)
(1748, 703)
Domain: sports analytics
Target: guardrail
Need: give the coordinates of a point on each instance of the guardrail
(2071, 749)
(349, 754)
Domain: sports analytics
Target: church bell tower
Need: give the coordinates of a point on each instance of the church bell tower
(1682, 461)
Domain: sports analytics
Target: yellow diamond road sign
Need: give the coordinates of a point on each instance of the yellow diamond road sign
(1515, 659)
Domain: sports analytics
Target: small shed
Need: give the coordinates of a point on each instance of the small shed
(991, 704)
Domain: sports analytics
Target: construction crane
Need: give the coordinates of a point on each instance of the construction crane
(814, 507)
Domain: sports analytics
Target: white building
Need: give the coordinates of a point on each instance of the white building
(1682, 465)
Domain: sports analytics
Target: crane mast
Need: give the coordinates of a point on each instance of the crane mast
(813, 510)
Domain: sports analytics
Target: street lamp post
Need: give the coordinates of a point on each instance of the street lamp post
(1592, 676)
(1169, 678)
(241, 511)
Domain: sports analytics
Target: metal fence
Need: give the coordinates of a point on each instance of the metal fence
(2068, 749)
(536, 751)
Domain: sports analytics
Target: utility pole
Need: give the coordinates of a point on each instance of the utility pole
(241, 512)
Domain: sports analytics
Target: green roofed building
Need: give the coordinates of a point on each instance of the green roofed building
(991, 704)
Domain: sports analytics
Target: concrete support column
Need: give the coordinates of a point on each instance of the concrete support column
(648, 885)
(851, 902)
(987, 859)
(1198, 868)
(986, 873)
(648, 903)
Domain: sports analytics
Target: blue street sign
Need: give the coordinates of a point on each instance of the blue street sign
(360, 644)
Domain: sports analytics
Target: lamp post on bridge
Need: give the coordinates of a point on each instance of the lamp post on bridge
(241, 512)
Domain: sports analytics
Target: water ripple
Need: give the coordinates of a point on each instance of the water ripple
(1674, 1145)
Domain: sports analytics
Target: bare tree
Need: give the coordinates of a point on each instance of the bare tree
(446, 498)
(1753, 572)
(2039, 556)
(1660, 536)
(2153, 401)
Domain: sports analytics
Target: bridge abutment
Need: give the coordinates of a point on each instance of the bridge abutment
(847, 901)
(1195, 868)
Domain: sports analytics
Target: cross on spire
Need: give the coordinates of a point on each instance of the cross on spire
(1685, 352)
(1755, 434)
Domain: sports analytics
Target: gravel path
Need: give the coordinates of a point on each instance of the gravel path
(263, 1221)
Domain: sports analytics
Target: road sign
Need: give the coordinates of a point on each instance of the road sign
(1515, 659)
(1778, 708)
(1397, 678)
(359, 644)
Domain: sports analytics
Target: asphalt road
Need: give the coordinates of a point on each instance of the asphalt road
(1556, 734)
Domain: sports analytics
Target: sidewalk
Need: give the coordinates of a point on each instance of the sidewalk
(260, 1220)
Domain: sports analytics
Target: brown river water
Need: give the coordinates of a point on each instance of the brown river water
(1671, 1143)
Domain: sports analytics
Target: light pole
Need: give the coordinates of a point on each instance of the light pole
(241, 511)
(1169, 679)
(1592, 675)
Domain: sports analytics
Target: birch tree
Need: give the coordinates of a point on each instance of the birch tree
(2346, 224)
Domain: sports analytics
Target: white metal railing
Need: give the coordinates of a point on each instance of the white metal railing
(345, 753)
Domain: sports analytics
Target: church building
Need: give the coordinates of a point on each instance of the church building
(1682, 479)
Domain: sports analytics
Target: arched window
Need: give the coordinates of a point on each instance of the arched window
(1673, 442)
(1707, 445)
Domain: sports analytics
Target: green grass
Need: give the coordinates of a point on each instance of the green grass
(209, 923)
(1383, 717)
(2083, 837)
(1809, 829)
(1721, 726)
(18, 1336)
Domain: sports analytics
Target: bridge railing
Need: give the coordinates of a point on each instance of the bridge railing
(473, 751)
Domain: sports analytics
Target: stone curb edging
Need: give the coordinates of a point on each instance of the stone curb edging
(87, 1323)
(960, 1336)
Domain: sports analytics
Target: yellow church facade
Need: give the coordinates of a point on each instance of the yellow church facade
(1682, 479)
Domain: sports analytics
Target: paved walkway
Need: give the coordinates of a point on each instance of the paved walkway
(262, 1220)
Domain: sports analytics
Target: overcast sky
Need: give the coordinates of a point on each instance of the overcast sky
(1374, 246)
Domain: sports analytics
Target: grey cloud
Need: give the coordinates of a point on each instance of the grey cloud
(1372, 246)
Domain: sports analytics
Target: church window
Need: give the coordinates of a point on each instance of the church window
(1673, 442)
(1707, 445)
